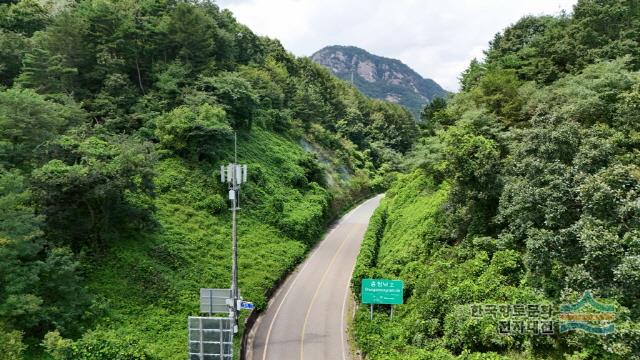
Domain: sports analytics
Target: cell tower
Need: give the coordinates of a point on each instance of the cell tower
(212, 337)
(234, 174)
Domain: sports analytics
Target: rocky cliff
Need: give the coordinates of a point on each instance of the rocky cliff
(380, 77)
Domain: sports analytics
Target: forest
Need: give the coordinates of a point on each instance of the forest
(115, 117)
(523, 188)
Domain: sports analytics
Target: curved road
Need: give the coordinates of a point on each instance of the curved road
(306, 317)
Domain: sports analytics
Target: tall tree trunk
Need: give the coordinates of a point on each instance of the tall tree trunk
(139, 76)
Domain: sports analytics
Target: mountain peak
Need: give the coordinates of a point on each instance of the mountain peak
(379, 77)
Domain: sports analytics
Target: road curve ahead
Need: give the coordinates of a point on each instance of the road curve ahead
(305, 319)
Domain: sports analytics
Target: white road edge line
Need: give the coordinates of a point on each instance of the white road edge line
(346, 292)
(344, 303)
(266, 341)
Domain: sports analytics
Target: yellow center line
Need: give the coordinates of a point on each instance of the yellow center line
(266, 344)
(315, 294)
(340, 222)
(317, 249)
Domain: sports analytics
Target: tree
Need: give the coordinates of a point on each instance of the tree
(538, 173)
(589, 97)
(194, 132)
(93, 184)
(235, 94)
(605, 30)
(170, 83)
(11, 344)
(12, 49)
(497, 90)
(39, 286)
(24, 17)
(269, 93)
(46, 73)
(527, 47)
(28, 121)
(308, 106)
(469, 78)
(66, 37)
(114, 103)
(472, 164)
(352, 127)
(434, 114)
(192, 35)
(393, 125)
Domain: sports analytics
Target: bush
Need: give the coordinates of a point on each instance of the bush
(193, 132)
(366, 262)
(11, 346)
(304, 217)
(94, 346)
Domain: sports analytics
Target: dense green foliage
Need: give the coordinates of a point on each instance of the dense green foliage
(525, 192)
(115, 117)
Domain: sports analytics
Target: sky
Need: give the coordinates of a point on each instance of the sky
(437, 38)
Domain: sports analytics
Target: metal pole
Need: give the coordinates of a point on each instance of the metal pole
(210, 302)
(234, 185)
(234, 264)
(371, 317)
(391, 312)
(221, 340)
(201, 339)
(234, 234)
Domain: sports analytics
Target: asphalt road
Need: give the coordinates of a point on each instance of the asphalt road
(306, 318)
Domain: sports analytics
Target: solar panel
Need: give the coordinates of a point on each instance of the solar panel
(214, 300)
(210, 338)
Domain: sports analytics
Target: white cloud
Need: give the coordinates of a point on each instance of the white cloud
(438, 39)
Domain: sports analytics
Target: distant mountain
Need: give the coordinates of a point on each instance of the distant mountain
(380, 77)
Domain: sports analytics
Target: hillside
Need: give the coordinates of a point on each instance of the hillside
(115, 117)
(380, 77)
(523, 197)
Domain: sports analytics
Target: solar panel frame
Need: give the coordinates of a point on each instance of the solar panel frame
(214, 301)
(210, 338)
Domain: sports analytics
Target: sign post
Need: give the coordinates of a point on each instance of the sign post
(382, 291)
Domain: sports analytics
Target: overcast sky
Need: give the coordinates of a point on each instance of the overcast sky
(436, 38)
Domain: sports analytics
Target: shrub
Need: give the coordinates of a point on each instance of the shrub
(94, 346)
(11, 346)
(190, 131)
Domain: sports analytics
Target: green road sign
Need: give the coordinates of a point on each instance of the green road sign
(382, 291)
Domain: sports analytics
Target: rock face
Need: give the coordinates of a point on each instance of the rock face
(380, 77)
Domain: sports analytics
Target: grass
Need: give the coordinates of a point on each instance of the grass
(406, 240)
(148, 284)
